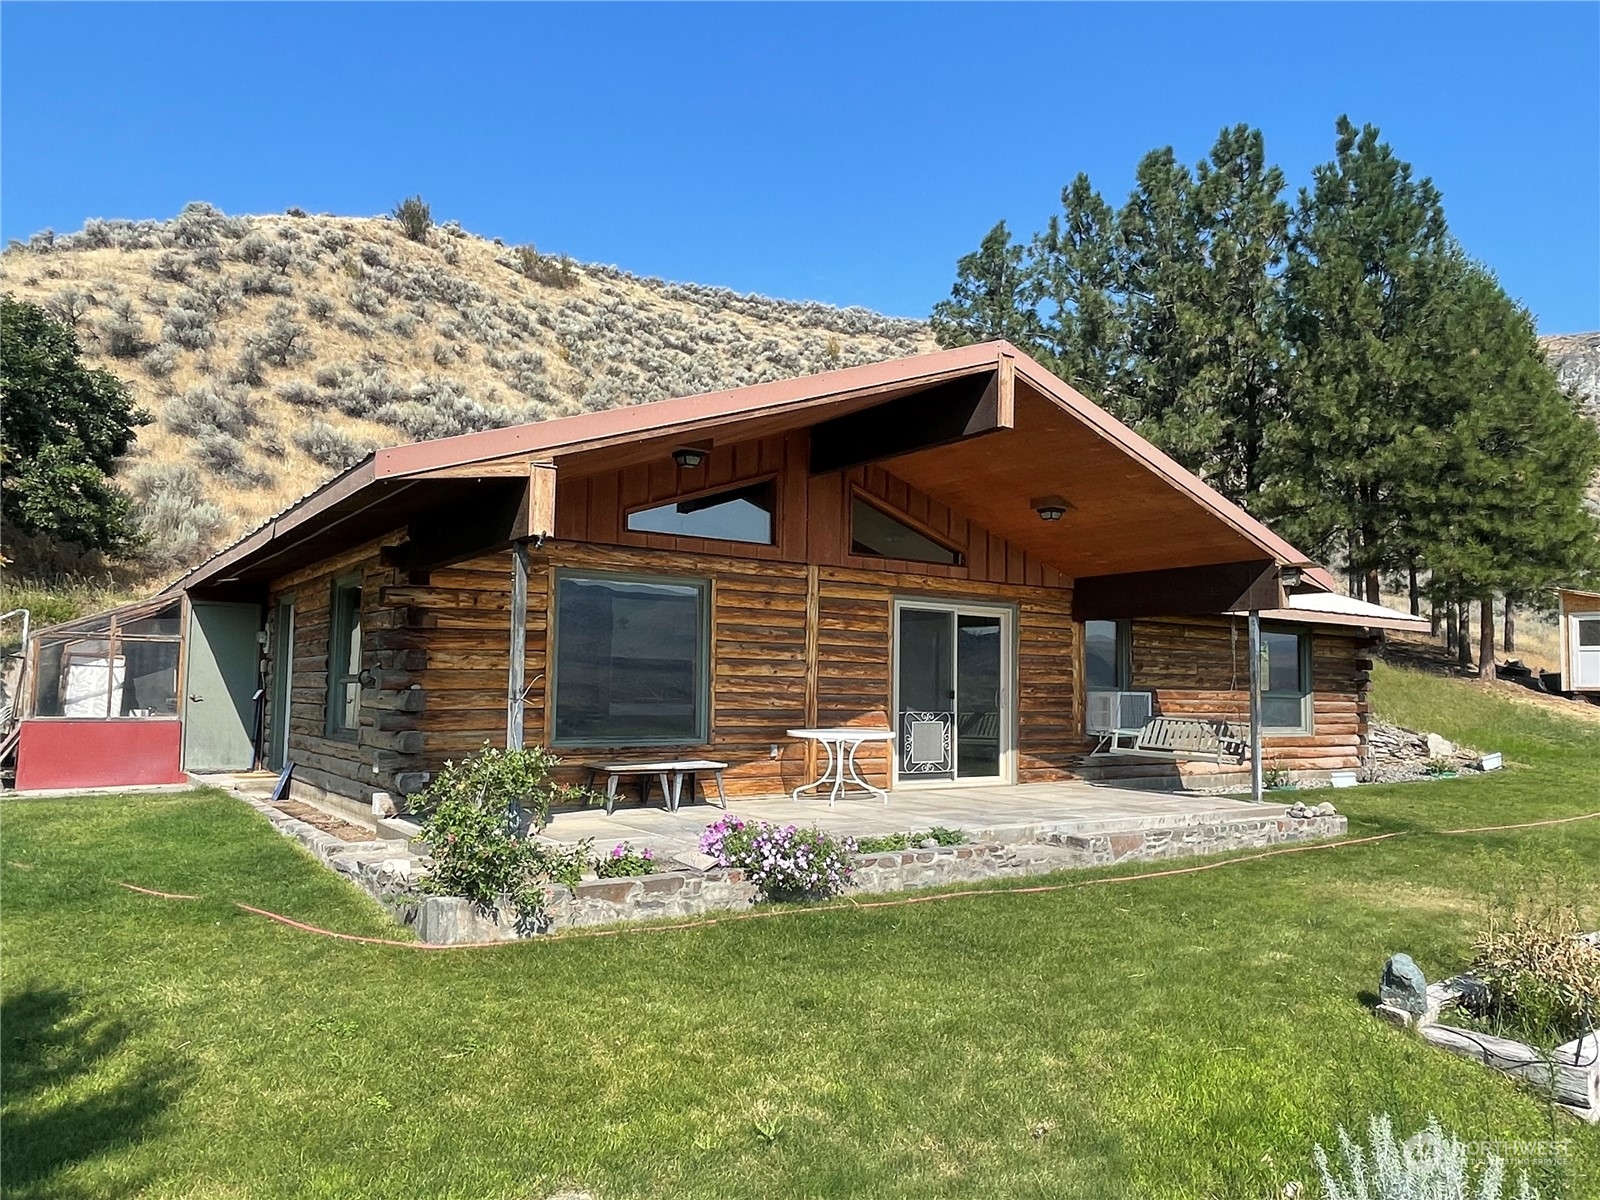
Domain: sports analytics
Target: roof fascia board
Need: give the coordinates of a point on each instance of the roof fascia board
(685, 416)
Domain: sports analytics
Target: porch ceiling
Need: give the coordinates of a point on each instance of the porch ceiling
(1126, 516)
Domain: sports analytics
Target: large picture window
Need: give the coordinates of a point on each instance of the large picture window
(344, 661)
(1286, 681)
(742, 514)
(630, 661)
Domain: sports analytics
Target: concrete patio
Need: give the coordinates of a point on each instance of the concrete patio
(1006, 814)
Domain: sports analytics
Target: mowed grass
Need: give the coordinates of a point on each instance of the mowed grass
(1186, 1036)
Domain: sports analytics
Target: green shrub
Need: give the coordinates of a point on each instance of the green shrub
(415, 218)
(939, 835)
(480, 817)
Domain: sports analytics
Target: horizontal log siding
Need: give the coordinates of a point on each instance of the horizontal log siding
(1200, 667)
(386, 737)
(758, 659)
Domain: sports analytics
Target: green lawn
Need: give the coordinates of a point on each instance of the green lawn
(1181, 1037)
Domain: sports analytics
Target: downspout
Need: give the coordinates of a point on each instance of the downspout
(516, 700)
(1255, 705)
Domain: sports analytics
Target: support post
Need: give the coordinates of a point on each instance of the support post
(519, 645)
(1255, 705)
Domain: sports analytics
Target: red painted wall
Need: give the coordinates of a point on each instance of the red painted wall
(64, 753)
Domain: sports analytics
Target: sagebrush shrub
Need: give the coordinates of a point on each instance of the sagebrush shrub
(247, 368)
(318, 307)
(299, 393)
(121, 332)
(366, 299)
(161, 361)
(252, 248)
(415, 218)
(171, 265)
(332, 447)
(179, 525)
(190, 328)
(70, 305)
(283, 339)
(224, 455)
(206, 408)
(263, 281)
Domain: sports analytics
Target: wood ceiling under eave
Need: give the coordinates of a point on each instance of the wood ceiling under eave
(1125, 516)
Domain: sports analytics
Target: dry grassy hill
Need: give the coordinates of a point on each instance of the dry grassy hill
(273, 351)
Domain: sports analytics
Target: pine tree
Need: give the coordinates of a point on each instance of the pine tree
(993, 297)
(1077, 286)
(1364, 259)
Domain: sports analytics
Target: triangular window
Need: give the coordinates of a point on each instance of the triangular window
(879, 534)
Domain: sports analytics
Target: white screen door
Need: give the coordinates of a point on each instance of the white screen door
(953, 713)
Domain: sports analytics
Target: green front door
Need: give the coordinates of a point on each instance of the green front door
(222, 676)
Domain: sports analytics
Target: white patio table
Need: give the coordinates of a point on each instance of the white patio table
(840, 744)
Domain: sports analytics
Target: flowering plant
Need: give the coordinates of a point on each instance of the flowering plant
(784, 861)
(625, 860)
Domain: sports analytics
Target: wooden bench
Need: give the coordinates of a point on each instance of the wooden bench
(671, 774)
(1178, 738)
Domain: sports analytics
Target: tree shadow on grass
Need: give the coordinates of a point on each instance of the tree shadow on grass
(57, 1113)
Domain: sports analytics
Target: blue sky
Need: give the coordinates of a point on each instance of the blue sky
(831, 152)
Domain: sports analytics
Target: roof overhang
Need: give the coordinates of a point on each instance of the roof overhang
(980, 428)
(1332, 609)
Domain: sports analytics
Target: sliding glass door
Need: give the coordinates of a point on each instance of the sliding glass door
(953, 708)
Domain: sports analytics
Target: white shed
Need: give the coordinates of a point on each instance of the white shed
(1580, 641)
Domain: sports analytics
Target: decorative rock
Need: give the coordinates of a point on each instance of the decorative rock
(1439, 747)
(1403, 985)
(383, 805)
(694, 860)
(927, 844)
(1326, 810)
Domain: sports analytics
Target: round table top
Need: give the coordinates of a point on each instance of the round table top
(845, 733)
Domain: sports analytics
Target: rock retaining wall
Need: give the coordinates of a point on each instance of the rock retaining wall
(387, 872)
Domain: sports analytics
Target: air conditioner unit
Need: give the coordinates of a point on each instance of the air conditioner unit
(1117, 710)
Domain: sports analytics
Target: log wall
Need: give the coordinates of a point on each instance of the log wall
(1200, 667)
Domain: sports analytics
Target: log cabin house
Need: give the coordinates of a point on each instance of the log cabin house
(958, 534)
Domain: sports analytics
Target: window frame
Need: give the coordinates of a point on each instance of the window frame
(705, 651)
(339, 630)
(83, 629)
(1306, 695)
(1123, 652)
(743, 485)
(858, 494)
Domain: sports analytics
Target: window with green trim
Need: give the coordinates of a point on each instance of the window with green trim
(1285, 681)
(344, 660)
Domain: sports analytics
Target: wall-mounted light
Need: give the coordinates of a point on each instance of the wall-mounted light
(1289, 577)
(688, 457)
(1050, 508)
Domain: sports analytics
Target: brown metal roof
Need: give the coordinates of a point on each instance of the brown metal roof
(385, 491)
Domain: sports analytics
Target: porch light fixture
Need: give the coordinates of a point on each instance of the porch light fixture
(688, 457)
(1290, 577)
(1050, 508)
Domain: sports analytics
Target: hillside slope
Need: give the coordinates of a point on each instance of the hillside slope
(272, 351)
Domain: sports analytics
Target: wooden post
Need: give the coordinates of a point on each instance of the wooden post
(813, 620)
(1255, 705)
(519, 645)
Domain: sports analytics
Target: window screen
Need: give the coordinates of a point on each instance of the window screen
(738, 515)
(630, 661)
(876, 534)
